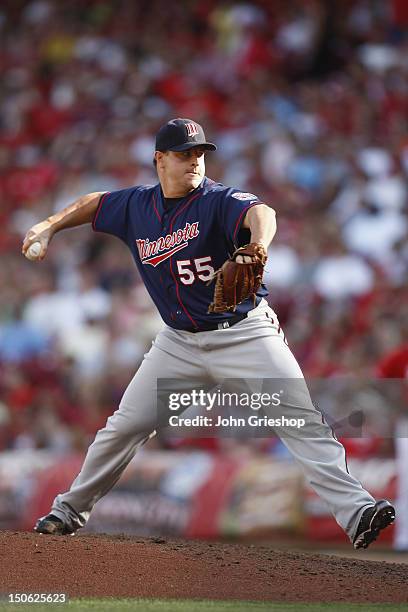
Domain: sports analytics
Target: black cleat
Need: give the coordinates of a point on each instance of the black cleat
(52, 525)
(374, 519)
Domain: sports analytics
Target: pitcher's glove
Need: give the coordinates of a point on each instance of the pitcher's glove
(235, 282)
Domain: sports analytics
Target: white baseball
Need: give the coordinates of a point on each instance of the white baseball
(33, 251)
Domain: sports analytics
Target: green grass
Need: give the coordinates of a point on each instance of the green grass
(171, 605)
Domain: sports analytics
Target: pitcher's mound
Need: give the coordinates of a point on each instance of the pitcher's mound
(123, 566)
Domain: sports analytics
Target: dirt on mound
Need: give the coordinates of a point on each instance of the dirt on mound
(123, 566)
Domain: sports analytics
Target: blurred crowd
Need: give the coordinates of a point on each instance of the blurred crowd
(308, 104)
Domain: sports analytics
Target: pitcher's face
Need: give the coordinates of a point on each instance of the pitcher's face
(180, 171)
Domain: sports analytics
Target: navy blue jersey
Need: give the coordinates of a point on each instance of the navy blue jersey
(177, 248)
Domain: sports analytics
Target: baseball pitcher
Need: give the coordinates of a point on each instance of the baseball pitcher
(185, 235)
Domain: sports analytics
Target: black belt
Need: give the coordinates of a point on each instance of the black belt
(224, 325)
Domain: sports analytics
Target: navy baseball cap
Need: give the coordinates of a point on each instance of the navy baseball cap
(181, 135)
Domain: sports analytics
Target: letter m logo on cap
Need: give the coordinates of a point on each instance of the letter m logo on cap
(192, 129)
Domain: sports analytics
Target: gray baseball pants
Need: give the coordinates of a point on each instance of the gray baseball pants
(254, 347)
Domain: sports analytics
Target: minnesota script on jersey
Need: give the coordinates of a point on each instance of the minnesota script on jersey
(178, 248)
